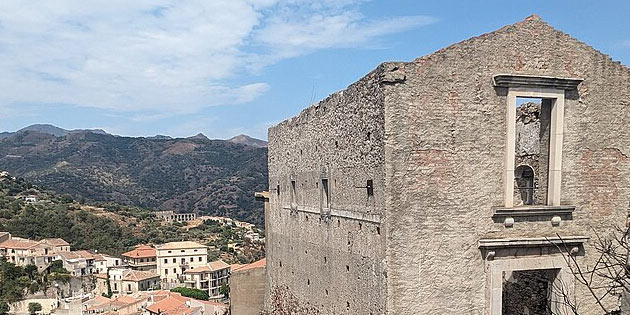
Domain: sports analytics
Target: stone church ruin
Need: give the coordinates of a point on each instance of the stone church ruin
(456, 183)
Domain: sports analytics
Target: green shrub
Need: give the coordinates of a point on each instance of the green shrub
(33, 308)
(192, 293)
(4, 308)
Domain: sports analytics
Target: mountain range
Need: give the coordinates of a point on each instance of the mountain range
(215, 177)
(60, 132)
(50, 129)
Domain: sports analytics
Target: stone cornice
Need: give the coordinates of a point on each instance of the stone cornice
(527, 81)
(532, 242)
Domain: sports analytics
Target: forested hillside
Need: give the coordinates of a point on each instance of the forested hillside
(29, 212)
(186, 175)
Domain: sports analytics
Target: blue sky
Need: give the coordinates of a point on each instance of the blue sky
(225, 67)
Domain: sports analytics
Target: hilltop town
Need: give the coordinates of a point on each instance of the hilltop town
(89, 273)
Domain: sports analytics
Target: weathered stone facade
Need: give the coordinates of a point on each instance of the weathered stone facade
(437, 234)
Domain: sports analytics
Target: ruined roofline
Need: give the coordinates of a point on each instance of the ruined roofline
(375, 73)
(378, 71)
(534, 18)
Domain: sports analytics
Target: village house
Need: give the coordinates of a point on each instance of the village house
(24, 252)
(174, 258)
(122, 305)
(432, 187)
(125, 281)
(208, 278)
(84, 262)
(57, 244)
(103, 262)
(74, 263)
(143, 257)
(172, 303)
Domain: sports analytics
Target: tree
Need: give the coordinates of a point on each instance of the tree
(33, 308)
(66, 199)
(607, 279)
(225, 291)
(192, 293)
(4, 308)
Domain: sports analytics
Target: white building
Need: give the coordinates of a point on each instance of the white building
(24, 252)
(142, 257)
(174, 258)
(123, 281)
(209, 278)
(104, 262)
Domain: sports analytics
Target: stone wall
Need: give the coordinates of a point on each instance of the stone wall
(445, 150)
(330, 263)
(247, 291)
(431, 134)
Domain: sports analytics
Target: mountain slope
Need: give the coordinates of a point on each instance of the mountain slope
(51, 130)
(195, 174)
(247, 140)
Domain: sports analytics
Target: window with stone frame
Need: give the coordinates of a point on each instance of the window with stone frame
(531, 155)
(325, 194)
(293, 193)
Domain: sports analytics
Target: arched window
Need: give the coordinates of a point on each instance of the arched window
(525, 185)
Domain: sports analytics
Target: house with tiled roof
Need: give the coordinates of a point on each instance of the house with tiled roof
(103, 262)
(174, 258)
(209, 278)
(125, 281)
(143, 257)
(174, 304)
(58, 244)
(171, 303)
(24, 252)
(75, 263)
(123, 305)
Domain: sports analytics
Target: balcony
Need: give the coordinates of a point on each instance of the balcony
(141, 264)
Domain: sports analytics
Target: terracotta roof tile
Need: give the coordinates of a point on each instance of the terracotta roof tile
(236, 266)
(257, 264)
(199, 270)
(69, 255)
(85, 254)
(211, 266)
(55, 242)
(18, 244)
(101, 276)
(137, 275)
(218, 264)
(141, 252)
(127, 299)
(168, 304)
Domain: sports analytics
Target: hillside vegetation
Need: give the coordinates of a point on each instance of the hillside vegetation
(212, 177)
(112, 229)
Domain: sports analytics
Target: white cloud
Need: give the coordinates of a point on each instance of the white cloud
(164, 57)
(291, 35)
